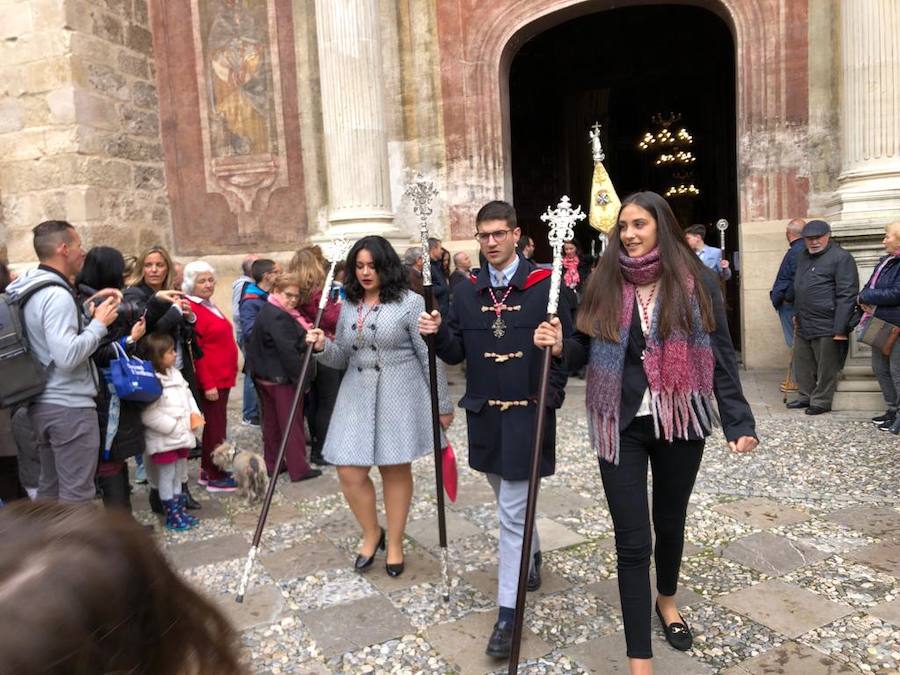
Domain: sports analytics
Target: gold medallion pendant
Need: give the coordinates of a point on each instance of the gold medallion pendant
(499, 327)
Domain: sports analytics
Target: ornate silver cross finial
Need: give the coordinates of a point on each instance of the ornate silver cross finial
(421, 192)
(596, 148)
(721, 226)
(335, 250)
(562, 221)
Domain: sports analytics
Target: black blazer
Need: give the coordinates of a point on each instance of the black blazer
(737, 418)
(274, 350)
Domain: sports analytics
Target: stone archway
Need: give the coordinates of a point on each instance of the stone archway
(478, 41)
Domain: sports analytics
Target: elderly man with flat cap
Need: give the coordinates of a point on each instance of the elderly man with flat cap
(825, 287)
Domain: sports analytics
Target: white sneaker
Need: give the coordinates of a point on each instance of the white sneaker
(249, 423)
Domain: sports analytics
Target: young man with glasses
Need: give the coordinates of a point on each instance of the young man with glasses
(491, 325)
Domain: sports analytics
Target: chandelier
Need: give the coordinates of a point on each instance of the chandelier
(670, 145)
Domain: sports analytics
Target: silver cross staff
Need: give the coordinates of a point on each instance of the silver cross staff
(562, 221)
(335, 251)
(721, 226)
(421, 192)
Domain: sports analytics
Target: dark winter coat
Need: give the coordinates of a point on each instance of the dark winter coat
(783, 288)
(500, 441)
(885, 294)
(274, 350)
(164, 317)
(441, 287)
(825, 290)
(736, 415)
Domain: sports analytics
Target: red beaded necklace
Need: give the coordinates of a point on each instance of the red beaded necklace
(645, 306)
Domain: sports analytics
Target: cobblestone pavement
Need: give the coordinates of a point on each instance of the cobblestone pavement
(792, 563)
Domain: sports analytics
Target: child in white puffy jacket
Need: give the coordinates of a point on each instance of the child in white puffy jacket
(172, 425)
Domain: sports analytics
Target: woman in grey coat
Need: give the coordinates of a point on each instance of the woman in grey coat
(382, 416)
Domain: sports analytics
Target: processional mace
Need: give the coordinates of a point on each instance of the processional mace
(336, 251)
(421, 192)
(562, 221)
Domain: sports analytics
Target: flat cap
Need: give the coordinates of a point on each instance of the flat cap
(815, 228)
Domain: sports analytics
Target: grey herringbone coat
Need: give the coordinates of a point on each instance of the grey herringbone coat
(383, 410)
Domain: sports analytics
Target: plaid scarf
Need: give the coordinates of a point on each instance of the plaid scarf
(679, 370)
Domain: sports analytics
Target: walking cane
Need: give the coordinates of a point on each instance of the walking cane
(421, 192)
(562, 222)
(336, 251)
(789, 386)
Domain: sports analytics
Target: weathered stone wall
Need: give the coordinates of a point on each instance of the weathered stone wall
(79, 125)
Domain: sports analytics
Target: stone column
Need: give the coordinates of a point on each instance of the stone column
(353, 117)
(869, 182)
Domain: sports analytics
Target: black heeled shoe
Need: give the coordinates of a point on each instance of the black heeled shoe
(189, 501)
(678, 634)
(394, 569)
(362, 562)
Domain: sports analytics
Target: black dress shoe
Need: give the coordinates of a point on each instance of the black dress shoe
(678, 634)
(394, 570)
(155, 502)
(500, 643)
(534, 575)
(189, 501)
(362, 562)
(798, 404)
(886, 416)
(816, 410)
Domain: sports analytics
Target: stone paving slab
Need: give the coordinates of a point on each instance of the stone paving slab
(463, 642)
(787, 609)
(762, 513)
(313, 555)
(772, 554)
(557, 501)
(486, 582)
(791, 658)
(419, 567)
(888, 611)
(425, 530)
(472, 494)
(279, 514)
(262, 605)
(884, 556)
(208, 551)
(608, 591)
(607, 655)
(351, 626)
(873, 520)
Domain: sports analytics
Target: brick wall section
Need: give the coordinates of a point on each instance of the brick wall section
(79, 123)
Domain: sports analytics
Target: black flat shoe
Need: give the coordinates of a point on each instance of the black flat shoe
(394, 570)
(797, 405)
(189, 501)
(678, 634)
(886, 416)
(363, 563)
(815, 410)
(534, 576)
(500, 643)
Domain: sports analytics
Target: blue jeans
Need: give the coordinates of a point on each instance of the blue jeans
(786, 314)
(250, 409)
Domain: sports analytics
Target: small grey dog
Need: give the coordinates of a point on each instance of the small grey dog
(248, 468)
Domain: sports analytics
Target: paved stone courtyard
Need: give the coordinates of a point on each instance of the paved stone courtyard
(792, 563)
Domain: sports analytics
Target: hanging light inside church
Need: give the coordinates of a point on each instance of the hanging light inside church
(672, 153)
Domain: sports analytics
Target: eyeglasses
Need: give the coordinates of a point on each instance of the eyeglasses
(498, 235)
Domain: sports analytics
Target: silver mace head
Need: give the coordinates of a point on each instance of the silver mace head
(337, 249)
(421, 192)
(562, 221)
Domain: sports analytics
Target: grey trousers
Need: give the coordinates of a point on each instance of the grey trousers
(69, 446)
(887, 372)
(512, 500)
(817, 363)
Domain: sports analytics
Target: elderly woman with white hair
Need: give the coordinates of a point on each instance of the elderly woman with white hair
(216, 369)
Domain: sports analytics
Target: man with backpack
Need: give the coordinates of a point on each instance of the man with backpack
(61, 335)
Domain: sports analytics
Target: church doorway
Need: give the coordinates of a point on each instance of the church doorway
(635, 70)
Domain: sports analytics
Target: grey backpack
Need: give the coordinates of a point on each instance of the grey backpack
(22, 376)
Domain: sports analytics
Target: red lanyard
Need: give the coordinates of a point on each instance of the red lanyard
(498, 305)
(361, 318)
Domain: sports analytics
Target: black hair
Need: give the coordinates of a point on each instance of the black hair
(50, 234)
(497, 210)
(261, 268)
(699, 230)
(391, 274)
(156, 345)
(104, 267)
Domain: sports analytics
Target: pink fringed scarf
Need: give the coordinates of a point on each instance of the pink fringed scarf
(293, 311)
(679, 370)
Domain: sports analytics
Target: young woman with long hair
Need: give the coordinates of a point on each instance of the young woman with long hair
(383, 413)
(653, 333)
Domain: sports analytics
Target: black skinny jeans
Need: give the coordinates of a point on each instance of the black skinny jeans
(674, 468)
